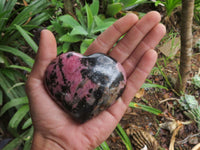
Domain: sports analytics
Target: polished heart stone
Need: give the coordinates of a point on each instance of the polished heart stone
(84, 85)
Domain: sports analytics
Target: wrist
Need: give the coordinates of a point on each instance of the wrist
(43, 143)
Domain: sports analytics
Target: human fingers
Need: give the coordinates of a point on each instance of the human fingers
(149, 42)
(102, 125)
(138, 76)
(46, 52)
(40, 102)
(109, 37)
(134, 36)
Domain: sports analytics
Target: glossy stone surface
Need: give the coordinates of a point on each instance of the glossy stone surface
(84, 85)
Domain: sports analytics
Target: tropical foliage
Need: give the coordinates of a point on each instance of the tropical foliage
(19, 21)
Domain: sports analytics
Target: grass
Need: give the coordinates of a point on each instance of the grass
(16, 25)
(17, 20)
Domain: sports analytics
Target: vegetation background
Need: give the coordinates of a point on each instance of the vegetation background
(160, 114)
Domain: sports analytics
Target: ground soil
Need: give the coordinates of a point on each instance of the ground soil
(188, 135)
(185, 139)
(153, 96)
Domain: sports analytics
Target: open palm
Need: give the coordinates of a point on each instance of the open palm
(53, 128)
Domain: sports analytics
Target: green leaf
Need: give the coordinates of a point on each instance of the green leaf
(188, 102)
(2, 3)
(17, 118)
(170, 5)
(85, 44)
(124, 137)
(65, 47)
(16, 85)
(27, 59)
(68, 21)
(13, 103)
(70, 38)
(59, 50)
(18, 140)
(95, 7)
(28, 39)
(14, 144)
(113, 9)
(191, 107)
(102, 27)
(132, 3)
(78, 30)
(89, 18)
(39, 19)
(6, 84)
(151, 85)
(81, 18)
(34, 8)
(20, 67)
(9, 73)
(1, 97)
(196, 80)
(164, 75)
(27, 124)
(56, 26)
(98, 148)
(158, 3)
(28, 143)
(105, 146)
(2, 58)
(6, 7)
(145, 108)
(98, 20)
(13, 75)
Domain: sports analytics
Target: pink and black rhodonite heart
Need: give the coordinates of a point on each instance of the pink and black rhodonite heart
(84, 85)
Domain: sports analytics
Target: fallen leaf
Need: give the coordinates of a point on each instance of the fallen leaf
(169, 125)
(197, 147)
(171, 47)
(140, 93)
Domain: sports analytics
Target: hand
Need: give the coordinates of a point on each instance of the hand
(53, 128)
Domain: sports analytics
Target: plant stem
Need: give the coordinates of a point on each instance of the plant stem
(68, 7)
(173, 138)
(186, 44)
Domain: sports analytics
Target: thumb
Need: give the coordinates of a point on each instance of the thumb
(46, 52)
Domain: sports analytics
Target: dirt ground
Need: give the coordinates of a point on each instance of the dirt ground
(165, 100)
(188, 135)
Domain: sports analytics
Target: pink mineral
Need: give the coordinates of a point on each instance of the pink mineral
(84, 86)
